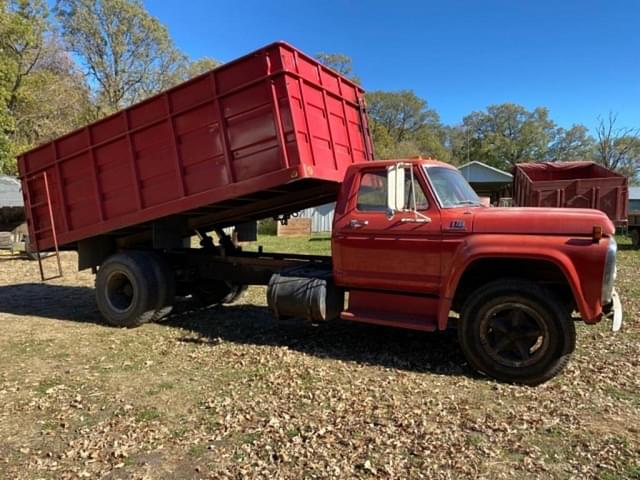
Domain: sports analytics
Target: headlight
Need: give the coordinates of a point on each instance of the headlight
(609, 276)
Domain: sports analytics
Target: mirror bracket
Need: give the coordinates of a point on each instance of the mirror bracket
(390, 213)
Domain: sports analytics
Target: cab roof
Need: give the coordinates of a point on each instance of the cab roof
(424, 161)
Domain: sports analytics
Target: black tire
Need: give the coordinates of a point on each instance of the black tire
(635, 238)
(516, 332)
(236, 294)
(127, 290)
(165, 279)
(206, 293)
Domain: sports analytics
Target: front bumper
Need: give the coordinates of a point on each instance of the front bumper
(613, 311)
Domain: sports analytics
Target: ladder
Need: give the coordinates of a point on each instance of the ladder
(366, 132)
(37, 231)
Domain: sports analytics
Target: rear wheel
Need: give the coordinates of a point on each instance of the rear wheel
(515, 331)
(165, 279)
(127, 290)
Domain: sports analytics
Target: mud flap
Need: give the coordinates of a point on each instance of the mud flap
(616, 312)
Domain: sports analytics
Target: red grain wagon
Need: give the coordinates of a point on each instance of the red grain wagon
(572, 185)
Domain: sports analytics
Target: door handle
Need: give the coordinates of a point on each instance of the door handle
(358, 223)
(423, 219)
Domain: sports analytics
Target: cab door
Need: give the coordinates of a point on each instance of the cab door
(373, 251)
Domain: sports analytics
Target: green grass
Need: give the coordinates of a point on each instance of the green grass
(179, 432)
(206, 387)
(630, 472)
(197, 450)
(292, 433)
(148, 415)
(159, 388)
(620, 394)
(319, 244)
(249, 437)
(44, 386)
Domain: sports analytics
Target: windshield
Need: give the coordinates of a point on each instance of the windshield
(451, 187)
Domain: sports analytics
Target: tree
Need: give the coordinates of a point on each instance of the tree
(618, 148)
(339, 62)
(43, 90)
(54, 101)
(21, 38)
(22, 28)
(126, 52)
(431, 142)
(197, 67)
(401, 113)
(42, 93)
(572, 144)
(457, 143)
(402, 124)
(506, 134)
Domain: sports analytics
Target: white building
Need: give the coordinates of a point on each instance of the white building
(487, 181)
(634, 199)
(10, 192)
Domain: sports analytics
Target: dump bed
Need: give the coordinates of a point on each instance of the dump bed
(571, 185)
(267, 134)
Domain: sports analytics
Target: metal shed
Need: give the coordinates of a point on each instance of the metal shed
(11, 203)
(321, 217)
(487, 181)
(634, 199)
(10, 192)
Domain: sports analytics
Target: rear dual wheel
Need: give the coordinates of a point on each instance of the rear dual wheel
(515, 331)
(165, 279)
(133, 288)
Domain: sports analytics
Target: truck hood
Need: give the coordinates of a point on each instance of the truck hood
(541, 221)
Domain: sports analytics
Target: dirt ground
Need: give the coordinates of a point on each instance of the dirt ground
(228, 393)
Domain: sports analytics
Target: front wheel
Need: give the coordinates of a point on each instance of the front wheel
(515, 331)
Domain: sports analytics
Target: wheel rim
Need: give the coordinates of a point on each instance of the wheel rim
(120, 291)
(514, 335)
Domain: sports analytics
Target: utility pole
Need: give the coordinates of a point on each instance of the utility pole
(466, 130)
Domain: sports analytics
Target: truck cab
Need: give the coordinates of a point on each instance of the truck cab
(416, 248)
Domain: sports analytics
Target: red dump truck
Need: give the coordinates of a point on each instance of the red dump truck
(572, 185)
(272, 133)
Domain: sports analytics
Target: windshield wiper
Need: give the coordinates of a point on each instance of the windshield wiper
(467, 202)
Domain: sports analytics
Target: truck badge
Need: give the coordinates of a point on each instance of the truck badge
(456, 225)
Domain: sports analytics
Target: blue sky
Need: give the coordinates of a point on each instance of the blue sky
(579, 58)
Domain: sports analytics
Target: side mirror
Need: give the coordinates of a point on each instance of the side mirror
(395, 188)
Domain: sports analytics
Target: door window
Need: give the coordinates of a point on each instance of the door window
(372, 194)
